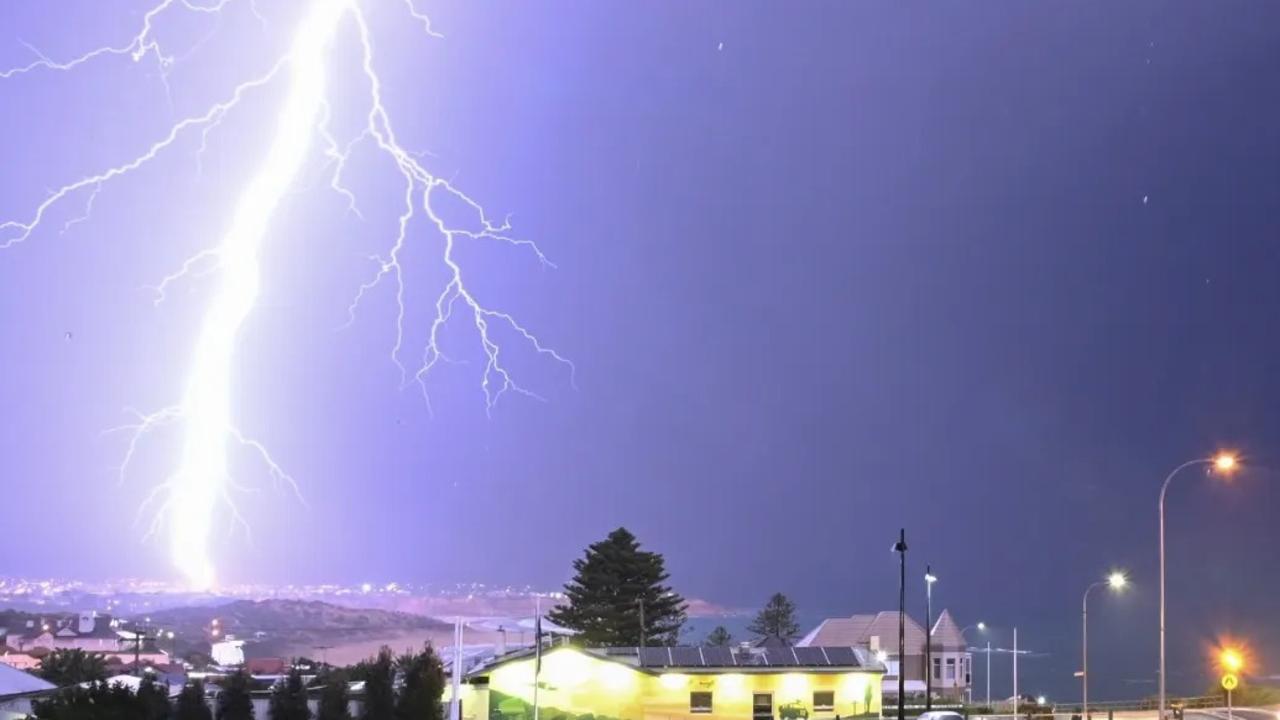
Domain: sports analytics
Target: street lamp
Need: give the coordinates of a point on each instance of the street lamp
(982, 628)
(1116, 581)
(929, 580)
(900, 547)
(1224, 463)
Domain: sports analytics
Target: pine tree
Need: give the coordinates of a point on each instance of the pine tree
(617, 589)
(423, 687)
(335, 702)
(191, 704)
(289, 698)
(234, 702)
(379, 692)
(777, 618)
(718, 637)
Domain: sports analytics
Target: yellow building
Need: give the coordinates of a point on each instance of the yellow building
(676, 683)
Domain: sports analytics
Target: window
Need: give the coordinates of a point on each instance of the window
(937, 668)
(951, 670)
(762, 706)
(700, 702)
(968, 678)
(824, 700)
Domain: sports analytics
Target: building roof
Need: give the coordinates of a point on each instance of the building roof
(946, 634)
(16, 682)
(694, 659)
(857, 631)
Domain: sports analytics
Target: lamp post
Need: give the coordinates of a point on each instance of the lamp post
(982, 627)
(1115, 581)
(1223, 463)
(900, 547)
(929, 580)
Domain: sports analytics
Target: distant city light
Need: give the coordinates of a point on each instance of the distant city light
(1041, 700)
(882, 657)
(367, 587)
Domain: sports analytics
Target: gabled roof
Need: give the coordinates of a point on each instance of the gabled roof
(859, 629)
(16, 682)
(946, 634)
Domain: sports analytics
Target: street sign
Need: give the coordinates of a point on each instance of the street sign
(1230, 681)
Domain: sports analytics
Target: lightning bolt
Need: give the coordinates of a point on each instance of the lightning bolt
(202, 479)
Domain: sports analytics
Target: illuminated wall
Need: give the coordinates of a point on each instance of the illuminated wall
(579, 686)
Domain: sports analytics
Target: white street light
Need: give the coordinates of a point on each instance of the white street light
(1116, 581)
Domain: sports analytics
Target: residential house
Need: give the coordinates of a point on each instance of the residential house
(675, 683)
(878, 634)
(18, 689)
(89, 631)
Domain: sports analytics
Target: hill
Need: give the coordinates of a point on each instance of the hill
(297, 628)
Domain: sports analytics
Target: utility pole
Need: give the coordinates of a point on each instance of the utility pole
(901, 548)
(988, 675)
(1015, 672)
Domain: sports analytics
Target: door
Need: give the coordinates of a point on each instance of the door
(761, 706)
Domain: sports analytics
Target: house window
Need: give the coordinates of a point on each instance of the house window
(937, 668)
(968, 677)
(700, 702)
(951, 670)
(824, 700)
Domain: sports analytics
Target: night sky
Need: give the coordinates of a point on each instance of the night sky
(984, 270)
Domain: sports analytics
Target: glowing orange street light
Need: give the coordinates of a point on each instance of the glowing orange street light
(1231, 660)
(1225, 463)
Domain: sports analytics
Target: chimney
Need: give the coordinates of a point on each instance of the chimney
(875, 644)
(86, 623)
(502, 641)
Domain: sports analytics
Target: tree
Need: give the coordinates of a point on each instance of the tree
(153, 698)
(718, 637)
(289, 698)
(335, 703)
(777, 618)
(191, 704)
(234, 702)
(423, 676)
(378, 675)
(98, 701)
(616, 584)
(72, 667)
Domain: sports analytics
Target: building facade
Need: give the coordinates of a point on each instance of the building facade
(878, 634)
(680, 683)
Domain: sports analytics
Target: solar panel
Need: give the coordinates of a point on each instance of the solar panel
(718, 657)
(842, 656)
(811, 656)
(780, 657)
(654, 657)
(686, 657)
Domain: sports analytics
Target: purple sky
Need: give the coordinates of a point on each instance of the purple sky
(864, 265)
